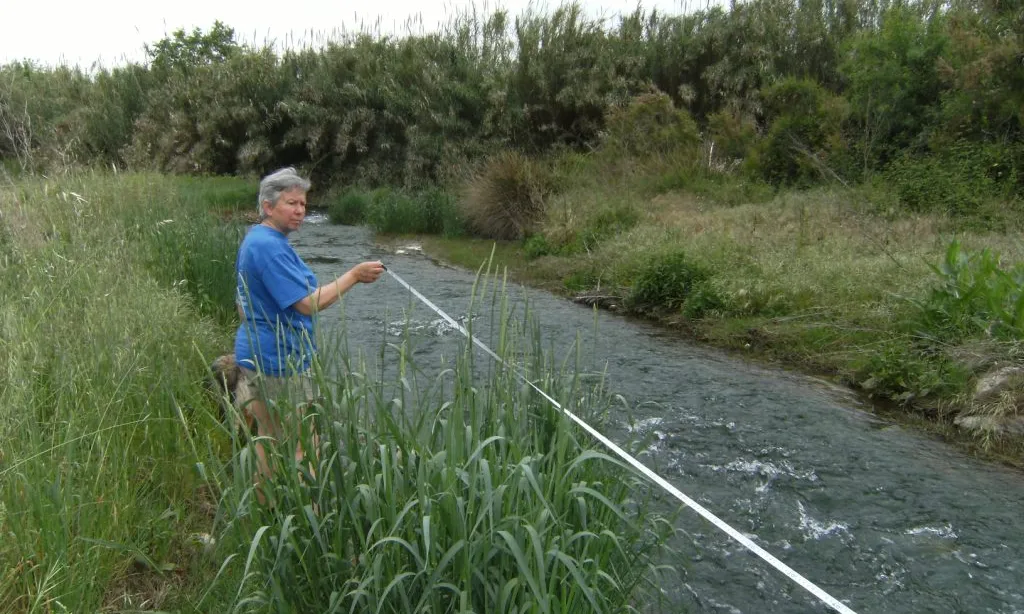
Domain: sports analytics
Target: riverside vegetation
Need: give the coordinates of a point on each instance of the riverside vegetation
(832, 185)
(778, 176)
(122, 488)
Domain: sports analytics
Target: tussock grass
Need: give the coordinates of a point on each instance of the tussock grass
(505, 199)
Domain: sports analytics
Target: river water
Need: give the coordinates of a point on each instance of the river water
(882, 518)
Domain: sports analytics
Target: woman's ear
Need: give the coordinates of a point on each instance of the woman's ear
(266, 207)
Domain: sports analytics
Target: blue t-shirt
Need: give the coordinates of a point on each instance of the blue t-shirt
(274, 338)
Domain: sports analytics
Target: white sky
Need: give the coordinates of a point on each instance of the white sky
(84, 32)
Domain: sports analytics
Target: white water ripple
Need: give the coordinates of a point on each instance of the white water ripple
(765, 469)
(435, 328)
(814, 529)
(945, 532)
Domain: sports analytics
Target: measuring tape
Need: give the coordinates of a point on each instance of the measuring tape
(745, 541)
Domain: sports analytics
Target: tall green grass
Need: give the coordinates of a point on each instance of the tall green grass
(455, 492)
(430, 210)
(101, 366)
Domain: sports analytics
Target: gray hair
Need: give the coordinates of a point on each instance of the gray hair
(274, 184)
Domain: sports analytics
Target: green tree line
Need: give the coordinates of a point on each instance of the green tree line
(793, 91)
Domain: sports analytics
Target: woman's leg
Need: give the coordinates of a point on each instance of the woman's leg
(302, 392)
(294, 393)
(254, 409)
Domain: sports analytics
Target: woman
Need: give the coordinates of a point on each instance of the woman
(278, 297)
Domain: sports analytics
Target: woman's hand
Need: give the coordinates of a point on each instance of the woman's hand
(367, 272)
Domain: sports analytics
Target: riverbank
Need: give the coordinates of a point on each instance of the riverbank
(124, 487)
(818, 282)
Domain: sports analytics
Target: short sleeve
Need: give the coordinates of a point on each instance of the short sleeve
(286, 280)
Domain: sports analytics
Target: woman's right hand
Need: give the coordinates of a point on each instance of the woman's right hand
(367, 272)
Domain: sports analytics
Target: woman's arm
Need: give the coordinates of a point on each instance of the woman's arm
(328, 294)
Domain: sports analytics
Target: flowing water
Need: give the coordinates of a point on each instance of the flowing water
(882, 518)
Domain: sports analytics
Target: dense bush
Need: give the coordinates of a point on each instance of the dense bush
(893, 82)
(673, 282)
(958, 179)
(650, 124)
(804, 133)
(731, 134)
(837, 90)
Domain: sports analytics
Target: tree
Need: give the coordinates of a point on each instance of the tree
(184, 52)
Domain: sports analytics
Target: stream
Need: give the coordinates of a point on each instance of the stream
(883, 518)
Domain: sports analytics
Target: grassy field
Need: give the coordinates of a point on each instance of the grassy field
(122, 488)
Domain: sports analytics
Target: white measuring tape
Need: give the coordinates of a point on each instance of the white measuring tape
(812, 588)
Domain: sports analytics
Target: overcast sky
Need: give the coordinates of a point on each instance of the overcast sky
(83, 32)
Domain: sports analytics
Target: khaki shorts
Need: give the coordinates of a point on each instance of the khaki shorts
(295, 391)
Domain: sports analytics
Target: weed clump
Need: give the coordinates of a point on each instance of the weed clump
(673, 282)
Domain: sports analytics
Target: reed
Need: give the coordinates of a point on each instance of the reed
(449, 490)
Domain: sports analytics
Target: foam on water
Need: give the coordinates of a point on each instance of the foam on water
(945, 532)
(438, 327)
(815, 529)
(765, 469)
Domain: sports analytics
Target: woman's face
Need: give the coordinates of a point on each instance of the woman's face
(289, 211)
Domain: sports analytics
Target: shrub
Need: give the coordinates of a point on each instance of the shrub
(649, 125)
(804, 133)
(975, 296)
(535, 246)
(349, 208)
(894, 85)
(733, 135)
(668, 283)
(957, 180)
(505, 200)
